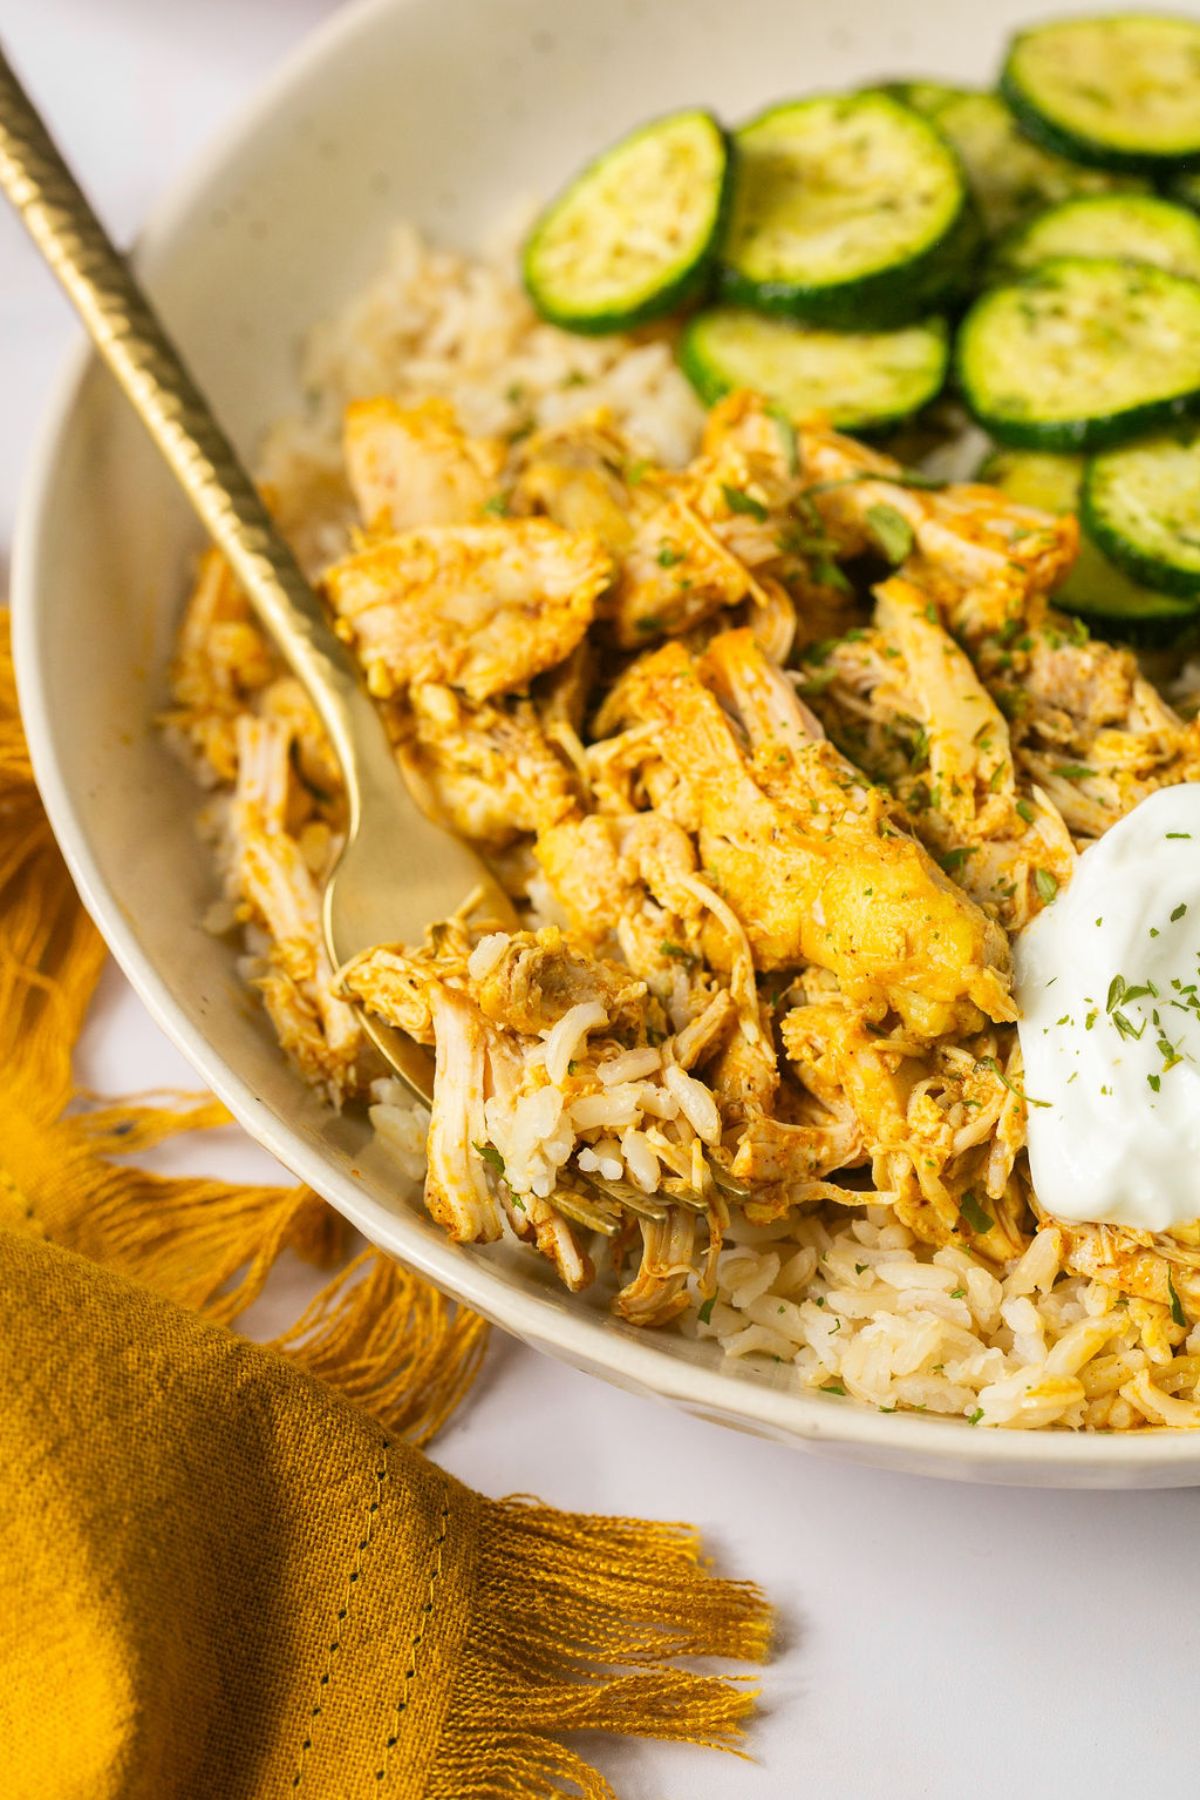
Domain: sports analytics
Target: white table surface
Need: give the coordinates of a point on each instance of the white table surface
(936, 1641)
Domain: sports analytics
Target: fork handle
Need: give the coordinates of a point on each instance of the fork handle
(130, 337)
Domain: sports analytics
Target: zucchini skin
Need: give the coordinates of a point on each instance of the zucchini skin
(1170, 230)
(1091, 431)
(882, 299)
(1077, 146)
(712, 384)
(1140, 565)
(1095, 589)
(687, 285)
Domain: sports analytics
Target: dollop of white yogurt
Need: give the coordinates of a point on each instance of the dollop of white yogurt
(1108, 982)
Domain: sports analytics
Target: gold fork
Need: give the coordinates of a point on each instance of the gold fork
(397, 871)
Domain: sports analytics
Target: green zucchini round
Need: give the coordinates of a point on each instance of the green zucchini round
(860, 381)
(1083, 354)
(1142, 506)
(1095, 588)
(1008, 176)
(635, 235)
(1134, 227)
(849, 211)
(1119, 92)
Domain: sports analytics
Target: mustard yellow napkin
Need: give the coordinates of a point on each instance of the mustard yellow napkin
(228, 1574)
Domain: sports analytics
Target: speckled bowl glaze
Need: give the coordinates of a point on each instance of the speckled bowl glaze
(440, 111)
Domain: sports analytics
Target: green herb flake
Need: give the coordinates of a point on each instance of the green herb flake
(1178, 834)
(958, 1293)
(668, 556)
(787, 436)
(1155, 1082)
(637, 470)
(497, 506)
(1025, 811)
(1177, 1312)
(490, 1155)
(1045, 884)
(739, 502)
(705, 1313)
(891, 532)
(677, 951)
(973, 1215)
(974, 1418)
(833, 1387)
(1179, 912)
(1074, 771)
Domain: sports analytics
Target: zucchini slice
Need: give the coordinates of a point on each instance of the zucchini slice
(1121, 92)
(1009, 177)
(1083, 354)
(1142, 506)
(849, 211)
(1135, 227)
(1095, 588)
(636, 233)
(858, 380)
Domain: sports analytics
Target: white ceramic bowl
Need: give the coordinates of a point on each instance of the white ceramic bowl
(440, 111)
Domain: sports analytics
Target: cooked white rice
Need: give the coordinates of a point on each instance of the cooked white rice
(849, 1299)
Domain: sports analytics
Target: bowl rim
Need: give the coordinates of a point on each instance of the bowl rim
(548, 1321)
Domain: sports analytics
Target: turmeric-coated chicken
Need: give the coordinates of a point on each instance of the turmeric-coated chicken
(808, 854)
(483, 607)
(415, 466)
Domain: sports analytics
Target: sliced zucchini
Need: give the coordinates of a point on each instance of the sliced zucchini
(849, 211)
(1082, 354)
(1135, 227)
(1009, 177)
(1095, 588)
(1142, 506)
(636, 233)
(1121, 92)
(1185, 189)
(858, 380)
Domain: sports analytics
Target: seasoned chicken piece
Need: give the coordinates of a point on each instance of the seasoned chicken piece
(938, 1124)
(456, 1187)
(483, 607)
(276, 890)
(905, 702)
(285, 701)
(584, 476)
(537, 976)
(1086, 726)
(487, 769)
(221, 661)
(808, 857)
(658, 1292)
(985, 560)
(414, 465)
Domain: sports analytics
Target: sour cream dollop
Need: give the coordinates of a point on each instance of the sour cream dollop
(1108, 982)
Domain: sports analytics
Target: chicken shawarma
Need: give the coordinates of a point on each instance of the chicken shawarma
(778, 748)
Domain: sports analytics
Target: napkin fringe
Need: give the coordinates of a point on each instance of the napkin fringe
(576, 1625)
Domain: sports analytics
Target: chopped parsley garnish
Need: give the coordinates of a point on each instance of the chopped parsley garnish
(668, 556)
(490, 1155)
(1074, 771)
(989, 1062)
(891, 532)
(953, 860)
(1155, 1082)
(636, 470)
(705, 1313)
(974, 1215)
(1045, 884)
(678, 951)
(787, 434)
(497, 506)
(861, 1268)
(974, 1418)
(1025, 811)
(1179, 912)
(739, 502)
(958, 1293)
(1178, 834)
(833, 1387)
(1177, 1312)
(1116, 992)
